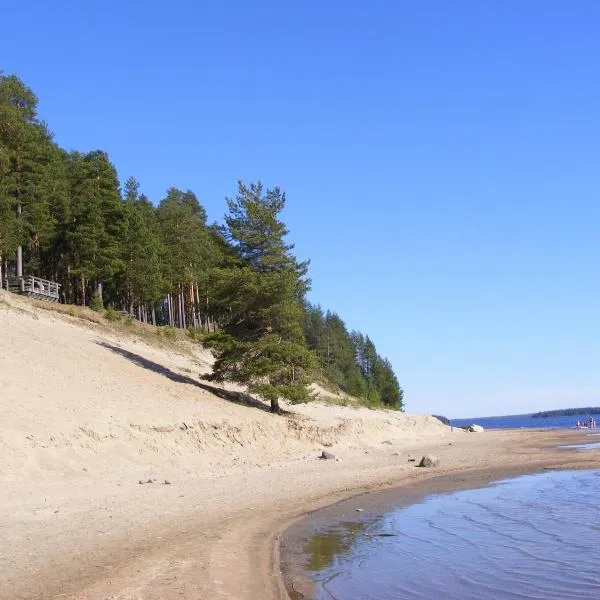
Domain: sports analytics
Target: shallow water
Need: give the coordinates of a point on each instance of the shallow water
(589, 446)
(536, 536)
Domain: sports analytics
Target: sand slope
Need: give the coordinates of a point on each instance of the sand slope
(76, 394)
(87, 410)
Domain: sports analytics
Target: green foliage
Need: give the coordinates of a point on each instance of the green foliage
(110, 314)
(237, 288)
(587, 410)
(258, 235)
(261, 343)
(96, 303)
(195, 334)
(97, 224)
(167, 331)
(188, 248)
(27, 160)
(350, 360)
(141, 249)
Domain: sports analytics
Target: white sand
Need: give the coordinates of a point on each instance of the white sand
(87, 410)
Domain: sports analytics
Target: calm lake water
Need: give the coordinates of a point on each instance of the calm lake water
(518, 421)
(535, 537)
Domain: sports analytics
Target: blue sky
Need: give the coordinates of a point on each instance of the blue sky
(441, 162)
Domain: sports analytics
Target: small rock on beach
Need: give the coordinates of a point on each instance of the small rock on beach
(429, 461)
(475, 428)
(326, 456)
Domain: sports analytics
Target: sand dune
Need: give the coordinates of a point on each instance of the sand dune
(88, 409)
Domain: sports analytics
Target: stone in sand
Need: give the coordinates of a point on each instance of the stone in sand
(475, 428)
(326, 456)
(429, 461)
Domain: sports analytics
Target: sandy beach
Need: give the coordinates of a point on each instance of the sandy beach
(125, 477)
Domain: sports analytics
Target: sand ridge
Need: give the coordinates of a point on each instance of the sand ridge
(87, 411)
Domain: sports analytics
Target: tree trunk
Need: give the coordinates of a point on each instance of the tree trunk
(20, 248)
(66, 290)
(198, 311)
(207, 312)
(182, 323)
(20, 261)
(191, 306)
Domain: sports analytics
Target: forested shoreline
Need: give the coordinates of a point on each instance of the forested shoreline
(112, 248)
(567, 412)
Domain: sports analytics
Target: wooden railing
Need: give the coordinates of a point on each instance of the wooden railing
(35, 287)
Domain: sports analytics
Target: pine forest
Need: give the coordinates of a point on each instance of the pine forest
(238, 288)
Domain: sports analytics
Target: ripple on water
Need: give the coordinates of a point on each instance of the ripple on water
(535, 536)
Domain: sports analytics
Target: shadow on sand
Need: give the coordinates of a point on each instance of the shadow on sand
(237, 397)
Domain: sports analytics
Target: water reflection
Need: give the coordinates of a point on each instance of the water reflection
(322, 548)
(531, 537)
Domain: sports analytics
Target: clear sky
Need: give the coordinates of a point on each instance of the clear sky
(441, 161)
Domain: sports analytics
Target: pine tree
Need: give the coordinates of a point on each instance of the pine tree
(27, 155)
(262, 342)
(9, 225)
(387, 385)
(141, 250)
(186, 240)
(189, 253)
(254, 229)
(97, 225)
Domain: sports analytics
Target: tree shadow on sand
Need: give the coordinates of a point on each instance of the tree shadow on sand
(236, 397)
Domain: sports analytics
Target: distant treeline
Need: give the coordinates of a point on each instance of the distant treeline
(444, 420)
(237, 286)
(567, 412)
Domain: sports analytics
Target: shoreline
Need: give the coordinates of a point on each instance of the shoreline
(224, 536)
(125, 478)
(365, 507)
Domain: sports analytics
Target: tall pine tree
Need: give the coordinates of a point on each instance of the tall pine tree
(27, 156)
(262, 342)
(141, 250)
